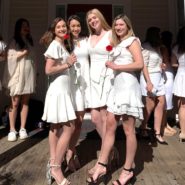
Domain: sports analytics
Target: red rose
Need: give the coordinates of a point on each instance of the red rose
(66, 36)
(109, 48)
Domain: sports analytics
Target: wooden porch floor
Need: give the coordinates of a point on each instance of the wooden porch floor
(24, 162)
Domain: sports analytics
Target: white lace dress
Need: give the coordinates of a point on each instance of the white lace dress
(58, 106)
(80, 77)
(100, 76)
(179, 81)
(125, 96)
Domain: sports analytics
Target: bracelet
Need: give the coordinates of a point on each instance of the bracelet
(68, 64)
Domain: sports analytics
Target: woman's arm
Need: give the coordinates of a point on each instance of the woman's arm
(53, 67)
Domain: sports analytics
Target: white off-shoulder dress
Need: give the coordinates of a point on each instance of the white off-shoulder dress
(58, 106)
(125, 96)
(179, 81)
(80, 76)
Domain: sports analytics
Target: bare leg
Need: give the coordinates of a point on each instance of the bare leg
(24, 109)
(131, 141)
(108, 142)
(149, 107)
(98, 117)
(54, 135)
(131, 146)
(158, 113)
(13, 111)
(182, 115)
(71, 150)
(61, 147)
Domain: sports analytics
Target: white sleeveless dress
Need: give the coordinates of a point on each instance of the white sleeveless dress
(58, 106)
(80, 78)
(100, 76)
(179, 81)
(125, 96)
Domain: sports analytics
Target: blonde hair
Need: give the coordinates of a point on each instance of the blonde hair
(115, 39)
(98, 14)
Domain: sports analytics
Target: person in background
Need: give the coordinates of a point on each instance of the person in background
(20, 76)
(124, 101)
(179, 81)
(153, 90)
(168, 75)
(58, 109)
(80, 86)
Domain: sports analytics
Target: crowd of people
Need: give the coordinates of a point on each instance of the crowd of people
(98, 72)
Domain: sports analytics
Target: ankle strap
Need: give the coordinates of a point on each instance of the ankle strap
(129, 170)
(55, 165)
(102, 164)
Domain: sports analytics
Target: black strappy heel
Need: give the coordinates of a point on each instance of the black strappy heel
(128, 181)
(101, 177)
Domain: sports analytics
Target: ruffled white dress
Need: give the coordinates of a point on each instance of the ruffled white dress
(80, 78)
(58, 106)
(153, 62)
(125, 96)
(100, 76)
(179, 81)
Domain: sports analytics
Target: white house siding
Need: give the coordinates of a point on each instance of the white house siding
(40, 13)
(160, 13)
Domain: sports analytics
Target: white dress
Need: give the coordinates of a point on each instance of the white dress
(169, 78)
(80, 79)
(179, 81)
(125, 96)
(58, 106)
(19, 76)
(153, 63)
(100, 76)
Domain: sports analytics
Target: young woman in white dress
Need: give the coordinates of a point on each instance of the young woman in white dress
(100, 75)
(179, 81)
(58, 108)
(124, 100)
(20, 76)
(100, 82)
(154, 99)
(80, 86)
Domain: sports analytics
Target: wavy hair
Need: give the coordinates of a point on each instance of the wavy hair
(115, 39)
(98, 14)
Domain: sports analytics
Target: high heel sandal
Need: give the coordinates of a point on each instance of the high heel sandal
(48, 172)
(70, 165)
(157, 136)
(64, 181)
(77, 162)
(182, 137)
(101, 176)
(128, 173)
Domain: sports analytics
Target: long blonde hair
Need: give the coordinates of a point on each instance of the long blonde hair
(98, 14)
(115, 39)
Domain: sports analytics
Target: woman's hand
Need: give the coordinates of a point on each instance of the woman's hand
(149, 87)
(22, 53)
(111, 65)
(71, 59)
